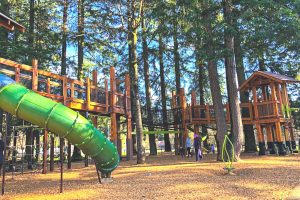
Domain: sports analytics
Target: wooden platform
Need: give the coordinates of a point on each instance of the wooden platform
(87, 95)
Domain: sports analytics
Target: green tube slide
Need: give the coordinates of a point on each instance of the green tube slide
(60, 120)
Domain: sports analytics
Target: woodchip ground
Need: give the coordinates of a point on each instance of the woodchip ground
(167, 177)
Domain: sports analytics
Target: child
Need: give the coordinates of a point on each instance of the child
(213, 148)
(188, 146)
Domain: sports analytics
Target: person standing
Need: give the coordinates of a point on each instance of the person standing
(196, 146)
(188, 146)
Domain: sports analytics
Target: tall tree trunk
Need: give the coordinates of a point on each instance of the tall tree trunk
(136, 96)
(163, 93)
(80, 38)
(215, 85)
(177, 78)
(152, 142)
(64, 39)
(31, 32)
(250, 144)
(261, 62)
(232, 87)
(202, 79)
(4, 8)
(76, 151)
(131, 73)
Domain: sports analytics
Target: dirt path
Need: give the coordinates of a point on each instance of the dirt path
(168, 177)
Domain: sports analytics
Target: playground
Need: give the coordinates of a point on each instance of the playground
(94, 137)
(168, 176)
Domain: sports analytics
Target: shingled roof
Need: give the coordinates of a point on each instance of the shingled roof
(267, 76)
(10, 24)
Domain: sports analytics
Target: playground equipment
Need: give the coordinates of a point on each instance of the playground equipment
(269, 110)
(52, 105)
(57, 118)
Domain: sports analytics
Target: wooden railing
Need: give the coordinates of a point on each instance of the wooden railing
(205, 114)
(267, 109)
(84, 95)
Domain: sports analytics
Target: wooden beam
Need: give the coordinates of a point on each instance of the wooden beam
(278, 132)
(35, 78)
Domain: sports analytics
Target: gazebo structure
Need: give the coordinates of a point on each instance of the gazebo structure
(271, 108)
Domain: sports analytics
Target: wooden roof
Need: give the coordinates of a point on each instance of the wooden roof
(263, 78)
(10, 24)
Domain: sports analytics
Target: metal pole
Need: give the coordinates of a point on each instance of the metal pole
(4, 154)
(98, 174)
(61, 163)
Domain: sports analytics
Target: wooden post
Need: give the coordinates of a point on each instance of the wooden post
(281, 149)
(34, 75)
(72, 91)
(113, 116)
(119, 141)
(256, 117)
(261, 141)
(270, 140)
(17, 76)
(174, 106)
(279, 96)
(106, 95)
(129, 144)
(287, 135)
(274, 99)
(88, 93)
(48, 86)
(45, 152)
(52, 154)
(65, 89)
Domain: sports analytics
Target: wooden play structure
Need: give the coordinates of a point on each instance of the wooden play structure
(87, 95)
(268, 110)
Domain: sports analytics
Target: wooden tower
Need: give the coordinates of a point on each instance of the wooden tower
(271, 108)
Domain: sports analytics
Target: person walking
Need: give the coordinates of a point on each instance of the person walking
(188, 146)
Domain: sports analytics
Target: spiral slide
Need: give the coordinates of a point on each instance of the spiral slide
(60, 120)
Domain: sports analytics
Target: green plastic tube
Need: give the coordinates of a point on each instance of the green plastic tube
(62, 121)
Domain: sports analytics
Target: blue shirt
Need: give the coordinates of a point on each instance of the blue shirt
(188, 142)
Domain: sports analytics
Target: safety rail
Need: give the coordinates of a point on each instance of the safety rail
(86, 95)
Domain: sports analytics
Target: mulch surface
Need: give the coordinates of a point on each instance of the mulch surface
(167, 177)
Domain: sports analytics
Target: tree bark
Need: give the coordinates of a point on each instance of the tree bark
(4, 8)
(152, 142)
(232, 87)
(163, 93)
(215, 85)
(202, 78)
(138, 116)
(64, 39)
(80, 38)
(177, 78)
(250, 144)
(31, 35)
(76, 151)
